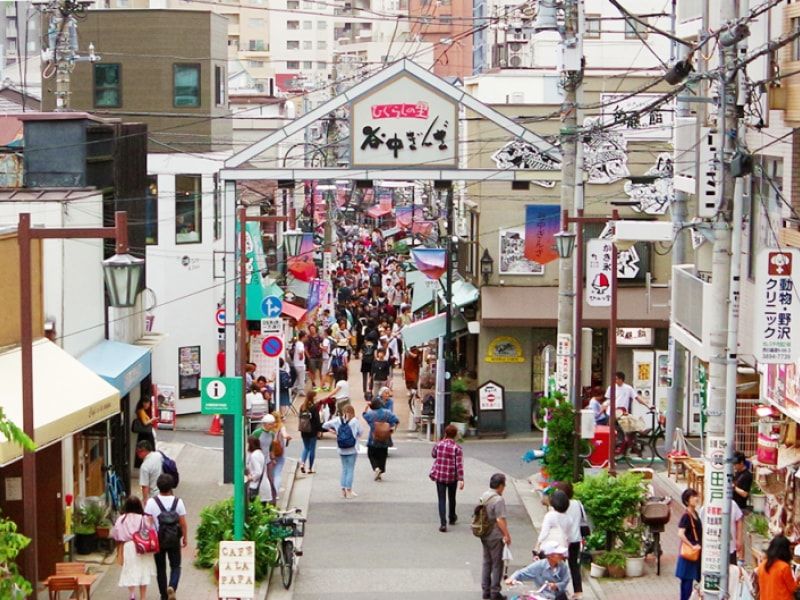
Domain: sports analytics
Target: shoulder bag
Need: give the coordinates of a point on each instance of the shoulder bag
(586, 530)
(146, 539)
(277, 446)
(382, 431)
(688, 552)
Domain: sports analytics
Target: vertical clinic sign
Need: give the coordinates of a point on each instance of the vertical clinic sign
(405, 123)
(777, 308)
(713, 501)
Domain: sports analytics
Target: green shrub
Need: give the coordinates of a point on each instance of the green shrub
(559, 453)
(609, 501)
(612, 558)
(758, 524)
(216, 525)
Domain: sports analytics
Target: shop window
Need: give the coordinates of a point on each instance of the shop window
(107, 85)
(151, 211)
(186, 85)
(188, 209)
(188, 371)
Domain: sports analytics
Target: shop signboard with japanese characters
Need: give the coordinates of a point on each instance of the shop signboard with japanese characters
(598, 272)
(777, 307)
(637, 117)
(713, 503)
(490, 396)
(405, 123)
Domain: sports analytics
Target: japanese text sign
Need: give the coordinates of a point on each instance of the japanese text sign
(777, 307)
(638, 117)
(405, 123)
(713, 503)
(490, 396)
(563, 363)
(237, 569)
(598, 272)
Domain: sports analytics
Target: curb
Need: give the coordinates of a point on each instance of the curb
(533, 506)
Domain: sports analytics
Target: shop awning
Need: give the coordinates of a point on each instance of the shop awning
(377, 211)
(121, 365)
(391, 232)
(293, 311)
(422, 332)
(464, 293)
(68, 397)
(528, 306)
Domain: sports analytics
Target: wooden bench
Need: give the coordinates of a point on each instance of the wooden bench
(695, 475)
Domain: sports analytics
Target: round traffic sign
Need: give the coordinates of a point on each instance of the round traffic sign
(219, 317)
(272, 346)
(271, 307)
(215, 389)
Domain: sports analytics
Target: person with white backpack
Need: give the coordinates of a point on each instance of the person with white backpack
(347, 431)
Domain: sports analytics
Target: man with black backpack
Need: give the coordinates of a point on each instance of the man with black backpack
(169, 514)
(490, 525)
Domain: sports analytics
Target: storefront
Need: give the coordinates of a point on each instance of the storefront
(127, 368)
(68, 399)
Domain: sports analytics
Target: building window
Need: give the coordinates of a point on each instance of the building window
(219, 85)
(308, 24)
(292, 25)
(151, 211)
(188, 209)
(322, 45)
(186, 85)
(592, 27)
(292, 45)
(292, 4)
(217, 210)
(292, 64)
(308, 45)
(257, 46)
(796, 41)
(765, 206)
(188, 371)
(322, 24)
(107, 85)
(307, 64)
(632, 28)
(322, 65)
(255, 64)
(255, 23)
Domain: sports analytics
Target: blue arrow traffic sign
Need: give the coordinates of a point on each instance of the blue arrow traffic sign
(271, 306)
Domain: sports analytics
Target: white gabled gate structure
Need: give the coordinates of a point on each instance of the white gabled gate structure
(420, 127)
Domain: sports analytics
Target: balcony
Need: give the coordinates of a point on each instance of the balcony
(692, 306)
(789, 59)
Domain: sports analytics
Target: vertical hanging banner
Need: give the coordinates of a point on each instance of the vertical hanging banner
(431, 261)
(563, 363)
(598, 272)
(302, 265)
(777, 307)
(255, 262)
(542, 223)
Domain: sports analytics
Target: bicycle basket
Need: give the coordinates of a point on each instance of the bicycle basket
(631, 424)
(655, 514)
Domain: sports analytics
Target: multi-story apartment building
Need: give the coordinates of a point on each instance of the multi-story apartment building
(20, 37)
(448, 25)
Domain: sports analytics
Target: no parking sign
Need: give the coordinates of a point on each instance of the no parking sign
(272, 346)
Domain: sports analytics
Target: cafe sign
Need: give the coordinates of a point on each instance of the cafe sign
(504, 349)
(404, 123)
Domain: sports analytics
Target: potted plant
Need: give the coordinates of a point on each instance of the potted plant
(459, 417)
(89, 514)
(610, 501)
(758, 529)
(758, 499)
(633, 547)
(596, 570)
(614, 562)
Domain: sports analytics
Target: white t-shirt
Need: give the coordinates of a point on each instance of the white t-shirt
(326, 348)
(299, 358)
(624, 397)
(152, 509)
(342, 390)
(151, 468)
(556, 525)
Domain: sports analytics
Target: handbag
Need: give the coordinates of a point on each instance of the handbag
(584, 527)
(138, 427)
(276, 448)
(382, 431)
(146, 539)
(688, 552)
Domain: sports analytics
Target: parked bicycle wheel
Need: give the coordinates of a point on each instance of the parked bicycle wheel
(287, 563)
(641, 452)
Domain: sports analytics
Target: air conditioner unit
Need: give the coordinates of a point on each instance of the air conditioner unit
(315, 132)
(518, 55)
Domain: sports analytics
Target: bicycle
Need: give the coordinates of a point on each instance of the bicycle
(641, 448)
(295, 524)
(655, 513)
(115, 490)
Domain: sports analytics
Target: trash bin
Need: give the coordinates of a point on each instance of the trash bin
(602, 444)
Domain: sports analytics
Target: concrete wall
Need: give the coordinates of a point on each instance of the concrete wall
(181, 276)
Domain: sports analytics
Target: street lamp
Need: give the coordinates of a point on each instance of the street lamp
(293, 239)
(124, 275)
(487, 266)
(565, 244)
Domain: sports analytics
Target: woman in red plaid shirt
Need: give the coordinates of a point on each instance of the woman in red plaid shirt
(448, 472)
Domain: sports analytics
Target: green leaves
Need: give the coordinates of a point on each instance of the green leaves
(14, 434)
(216, 525)
(561, 436)
(609, 501)
(12, 584)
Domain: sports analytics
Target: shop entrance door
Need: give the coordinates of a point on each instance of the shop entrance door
(50, 509)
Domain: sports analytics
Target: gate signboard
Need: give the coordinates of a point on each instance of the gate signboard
(405, 123)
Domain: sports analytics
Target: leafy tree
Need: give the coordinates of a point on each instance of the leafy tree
(560, 437)
(12, 585)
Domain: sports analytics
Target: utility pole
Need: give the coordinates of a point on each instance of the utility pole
(677, 358)
(62, 36)
(570, 81)
(452, 250)
(723, 342)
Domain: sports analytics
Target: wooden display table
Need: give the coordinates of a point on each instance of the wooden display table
(695, 475)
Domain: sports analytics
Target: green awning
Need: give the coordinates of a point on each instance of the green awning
(422, 332)
(464, 293)
(421, 295)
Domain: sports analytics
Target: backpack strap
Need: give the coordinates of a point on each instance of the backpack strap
(160, 505)
(174, 504)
